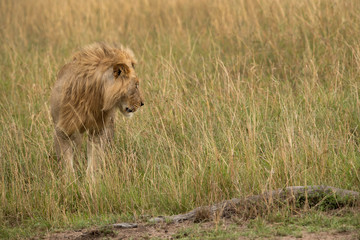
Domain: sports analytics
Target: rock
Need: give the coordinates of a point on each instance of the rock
(125, 225)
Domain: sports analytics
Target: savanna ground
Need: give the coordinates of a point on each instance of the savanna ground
(241, 97)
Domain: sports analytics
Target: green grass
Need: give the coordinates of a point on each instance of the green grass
(276, 225)
(241, 97)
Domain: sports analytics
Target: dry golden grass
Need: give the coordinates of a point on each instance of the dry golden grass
(241, 96)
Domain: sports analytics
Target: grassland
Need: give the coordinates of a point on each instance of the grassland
(241, 96)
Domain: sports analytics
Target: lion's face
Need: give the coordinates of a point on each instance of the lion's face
(131, 99)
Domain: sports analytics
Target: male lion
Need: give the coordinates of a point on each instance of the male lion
(88, 90)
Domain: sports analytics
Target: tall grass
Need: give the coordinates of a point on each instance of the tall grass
(241, 96)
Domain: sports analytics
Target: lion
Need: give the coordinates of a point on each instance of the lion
(88, 90)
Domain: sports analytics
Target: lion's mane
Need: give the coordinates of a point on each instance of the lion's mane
(83, 102)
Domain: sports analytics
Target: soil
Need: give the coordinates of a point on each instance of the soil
(178, 231)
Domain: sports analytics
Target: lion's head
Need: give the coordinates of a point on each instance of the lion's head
(99, 79)
(119, 80)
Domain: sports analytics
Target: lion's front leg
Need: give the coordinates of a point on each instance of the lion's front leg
(109, 129)
(95, 154)
(64, 150)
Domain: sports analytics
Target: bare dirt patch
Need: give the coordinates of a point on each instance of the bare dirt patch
(142, 231)
(187, 230)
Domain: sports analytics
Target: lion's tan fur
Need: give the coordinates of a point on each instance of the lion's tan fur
(85, 94)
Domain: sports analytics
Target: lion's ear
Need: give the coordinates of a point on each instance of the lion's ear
(120, 70)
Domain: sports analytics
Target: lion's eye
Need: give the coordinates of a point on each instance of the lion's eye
(119, 72)
(136, 85)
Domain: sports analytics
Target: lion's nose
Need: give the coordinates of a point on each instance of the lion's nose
(141, 104)
(129, 110)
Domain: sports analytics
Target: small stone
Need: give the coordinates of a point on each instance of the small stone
(157, 219)
(125, 225)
